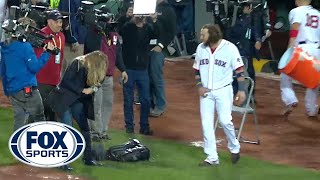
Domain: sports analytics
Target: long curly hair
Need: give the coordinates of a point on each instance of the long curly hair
(215, 33)
(96, 64)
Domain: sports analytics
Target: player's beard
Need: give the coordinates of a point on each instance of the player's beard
(212, 40)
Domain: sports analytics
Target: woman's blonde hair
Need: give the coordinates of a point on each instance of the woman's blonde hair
(96, 64)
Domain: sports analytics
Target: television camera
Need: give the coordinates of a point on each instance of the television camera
(24, 30)
(26, 9)
(102, 19)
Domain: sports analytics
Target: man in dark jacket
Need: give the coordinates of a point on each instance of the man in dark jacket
(246, 36)
(136, 35)
(166, 24)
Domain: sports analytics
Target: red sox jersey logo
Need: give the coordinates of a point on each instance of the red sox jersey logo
(216, 62)
(220, 63)
(204, 61)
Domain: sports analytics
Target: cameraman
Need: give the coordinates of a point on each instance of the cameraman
(103, 37)
(50, 75)
(19, 66)
(245, 35)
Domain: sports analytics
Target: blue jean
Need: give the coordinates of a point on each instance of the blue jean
(77, 112)
(157, 88)
(139, 78)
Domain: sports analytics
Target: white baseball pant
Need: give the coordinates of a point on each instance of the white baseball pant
(220, 100)
(288, 95)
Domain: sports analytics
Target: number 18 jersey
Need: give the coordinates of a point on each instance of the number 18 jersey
(308, 18)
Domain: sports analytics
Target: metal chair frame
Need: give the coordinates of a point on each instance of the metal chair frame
(247, 109)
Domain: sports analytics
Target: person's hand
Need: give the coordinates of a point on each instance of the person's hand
(129, 12)
(75, 47)
(268, 33)
(202, 91)
(240, 98)
(49, 46)
(157, 49)
(124, 77)
(87, 91)
(258, 45)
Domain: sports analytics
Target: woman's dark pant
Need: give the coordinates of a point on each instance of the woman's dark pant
(78, 113)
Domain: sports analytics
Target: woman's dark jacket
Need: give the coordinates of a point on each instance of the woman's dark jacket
(71, 87)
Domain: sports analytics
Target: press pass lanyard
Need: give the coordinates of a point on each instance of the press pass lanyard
(55, 44)
(57, 57)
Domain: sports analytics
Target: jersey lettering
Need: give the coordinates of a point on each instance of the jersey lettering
(312, 21)
(204, 61)
(220, 63)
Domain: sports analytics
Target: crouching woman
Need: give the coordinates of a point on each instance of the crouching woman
(73, 97)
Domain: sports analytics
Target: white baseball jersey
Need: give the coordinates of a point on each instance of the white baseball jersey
(216, 69)
(308, 18)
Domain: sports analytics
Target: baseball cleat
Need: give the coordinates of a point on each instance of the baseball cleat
(313, 115)
(289, 108)
(208, 164)
(235, 157)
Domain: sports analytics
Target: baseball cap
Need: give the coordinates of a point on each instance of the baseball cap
(54, 15)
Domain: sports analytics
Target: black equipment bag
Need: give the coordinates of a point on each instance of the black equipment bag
(131, 151)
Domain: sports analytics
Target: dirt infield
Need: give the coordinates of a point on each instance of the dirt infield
(19, 172)
(291, 142)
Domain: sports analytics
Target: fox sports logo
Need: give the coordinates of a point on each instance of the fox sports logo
(46, 144)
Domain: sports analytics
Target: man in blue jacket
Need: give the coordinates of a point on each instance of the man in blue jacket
(19, 66)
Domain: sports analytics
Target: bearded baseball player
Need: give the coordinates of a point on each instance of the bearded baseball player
(305, 33)
(216, 60)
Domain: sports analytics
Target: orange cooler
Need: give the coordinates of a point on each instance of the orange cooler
(300, 66)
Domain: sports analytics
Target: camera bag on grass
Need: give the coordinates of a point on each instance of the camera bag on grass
(131, 151)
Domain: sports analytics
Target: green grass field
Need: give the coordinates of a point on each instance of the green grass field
(170, 161)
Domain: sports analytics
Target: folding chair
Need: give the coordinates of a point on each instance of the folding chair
(245, 110)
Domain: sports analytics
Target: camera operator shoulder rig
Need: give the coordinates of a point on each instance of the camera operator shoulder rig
(24, 29)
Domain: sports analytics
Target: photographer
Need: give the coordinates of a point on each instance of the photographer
(103, 37)
(19, 66)
(49, 77)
